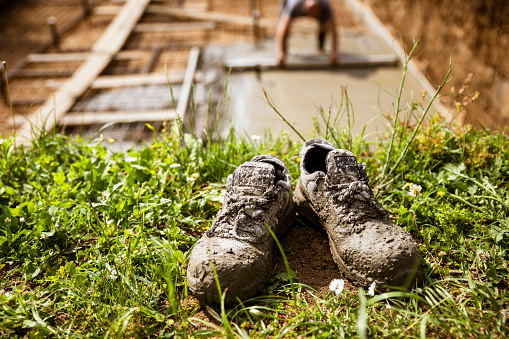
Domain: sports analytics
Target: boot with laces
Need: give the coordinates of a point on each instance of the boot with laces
(239, 244)
(333, 193)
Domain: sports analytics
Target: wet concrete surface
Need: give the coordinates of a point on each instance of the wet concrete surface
(299, 95)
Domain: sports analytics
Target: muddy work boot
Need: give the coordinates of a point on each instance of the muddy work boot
(239, 244)
(333, 193)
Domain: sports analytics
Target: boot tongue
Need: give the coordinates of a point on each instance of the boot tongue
(257, 175)
(342, 167)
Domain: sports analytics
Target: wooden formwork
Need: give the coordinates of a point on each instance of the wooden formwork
(136, 41)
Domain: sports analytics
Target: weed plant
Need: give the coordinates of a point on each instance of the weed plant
(95, 243)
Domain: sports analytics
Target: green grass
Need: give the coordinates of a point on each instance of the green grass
(95, 244)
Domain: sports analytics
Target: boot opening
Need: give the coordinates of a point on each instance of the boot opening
(280, 173)
(315, 160)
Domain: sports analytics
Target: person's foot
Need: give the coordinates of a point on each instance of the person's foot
(333, 193)
(238, 244)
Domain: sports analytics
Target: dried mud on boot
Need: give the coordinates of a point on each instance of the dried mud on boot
(333, 192)
(238, 244)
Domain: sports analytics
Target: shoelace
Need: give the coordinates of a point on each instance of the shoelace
(358, 190)
(242, 208)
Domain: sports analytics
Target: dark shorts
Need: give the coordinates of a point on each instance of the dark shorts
(293, 8)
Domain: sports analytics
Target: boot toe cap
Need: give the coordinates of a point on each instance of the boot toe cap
(241, 268)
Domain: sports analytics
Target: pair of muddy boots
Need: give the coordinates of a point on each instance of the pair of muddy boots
(332, 193)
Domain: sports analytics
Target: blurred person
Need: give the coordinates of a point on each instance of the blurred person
(317, 9)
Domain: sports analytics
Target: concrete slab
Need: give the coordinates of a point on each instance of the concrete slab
(298, 95)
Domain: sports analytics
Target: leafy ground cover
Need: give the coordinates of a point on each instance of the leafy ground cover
(95, 243)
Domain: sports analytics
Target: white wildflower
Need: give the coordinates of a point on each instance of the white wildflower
(388, 306)
(113, 274)
(371, 290)
(256, 137)
(415, 190)
(174, 165)
(419, 290)
(193, 177)
(441, 182)
(337, 286)
(483, 255)
(7, 220)
(21, 219)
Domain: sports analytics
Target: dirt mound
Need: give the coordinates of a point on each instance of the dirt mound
(471, 35)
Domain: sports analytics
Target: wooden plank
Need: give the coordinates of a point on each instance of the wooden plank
(106, 10)
(102, 53)
(118, 31)
(147, 68)
(92, 118)
(185, 90)
(112, 81)
(28, 101)
(57, 57)
(40, 73)
(311, 62)
(116, 81)
(174, 26)
(79, 56)
(218, 17)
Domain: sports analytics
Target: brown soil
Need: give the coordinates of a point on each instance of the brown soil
(471, 35)
(309, 256)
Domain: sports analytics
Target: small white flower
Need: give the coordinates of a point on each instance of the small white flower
(415, 190)
(419, 290)
(113, 274)
(371, 290)
(337, 286)
(441, 181)
(256, 137)
(7, 220)
(388, 306)
(483, 255)
(21, 219)
(193, 177)
(174, 165)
